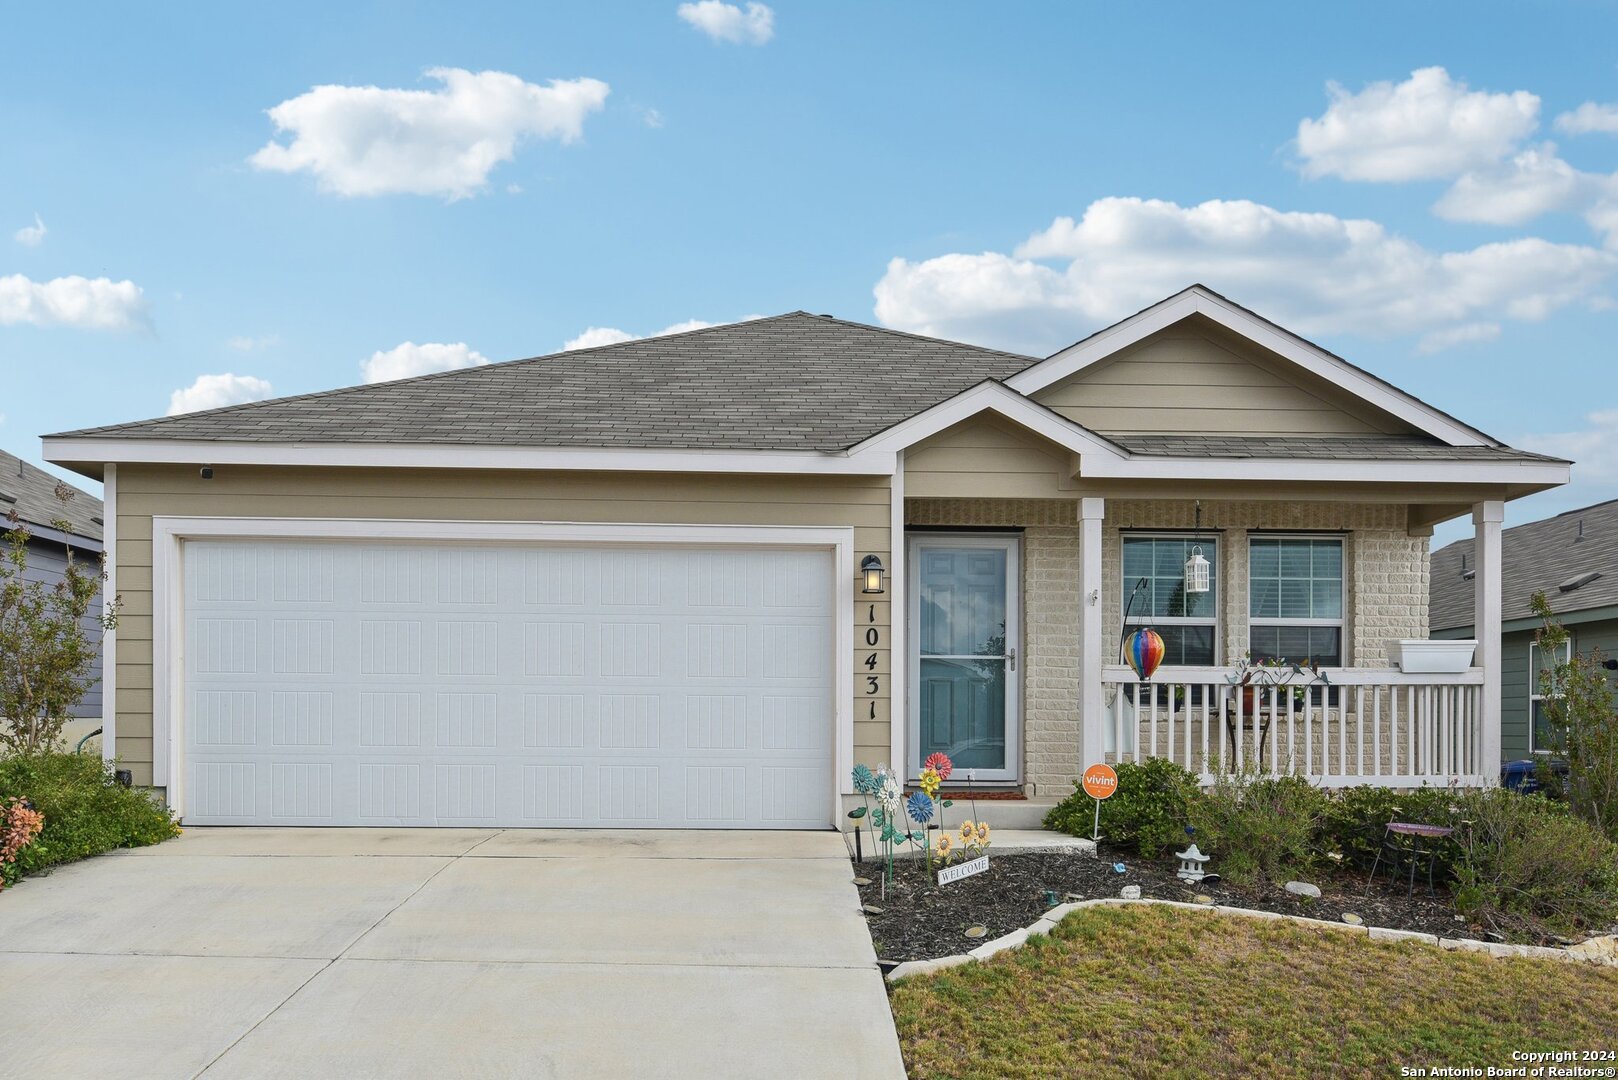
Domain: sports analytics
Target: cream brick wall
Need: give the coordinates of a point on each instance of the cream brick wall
(1386, 569)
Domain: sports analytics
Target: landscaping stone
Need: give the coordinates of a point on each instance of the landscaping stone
(1603, 949)
(1379, 933)
(1204, 899)
(1130, 892)
(872, 909)
(1303, 888)
(1352, 919)
(976, 931)
(862, 881)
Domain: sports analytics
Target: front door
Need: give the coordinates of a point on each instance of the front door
(963, 660)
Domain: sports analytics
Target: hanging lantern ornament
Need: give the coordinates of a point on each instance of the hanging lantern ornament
(1196, 572)
(1144, 651)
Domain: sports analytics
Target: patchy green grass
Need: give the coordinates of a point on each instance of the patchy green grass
(1149, 991)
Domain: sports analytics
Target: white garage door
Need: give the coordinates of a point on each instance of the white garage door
(343, 683)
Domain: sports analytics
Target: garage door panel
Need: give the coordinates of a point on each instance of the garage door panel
(348, 683)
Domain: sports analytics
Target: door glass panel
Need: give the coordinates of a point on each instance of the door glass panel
(962, 674)
(963, 601)
(963, 712)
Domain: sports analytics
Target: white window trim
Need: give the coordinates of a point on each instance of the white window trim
(1011, 543)
(1534, 696)
(1126, 586)
(1341, 622)
(168, 601)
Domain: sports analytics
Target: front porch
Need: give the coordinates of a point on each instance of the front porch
(1055, 689)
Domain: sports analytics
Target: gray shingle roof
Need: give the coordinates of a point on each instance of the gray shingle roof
(1329, 447)
(1536, 557)
(31, 492)
(791, 382)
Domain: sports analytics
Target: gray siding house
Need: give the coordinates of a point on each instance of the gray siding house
(1571, 558)
(31, 492)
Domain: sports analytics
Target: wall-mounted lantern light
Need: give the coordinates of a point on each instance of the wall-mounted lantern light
(871, 574)
(1196, 572)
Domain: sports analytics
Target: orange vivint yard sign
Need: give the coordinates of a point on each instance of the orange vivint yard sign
(1099, 781)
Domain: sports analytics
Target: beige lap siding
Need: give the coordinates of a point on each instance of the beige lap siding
(145, 491)
(1385, 568)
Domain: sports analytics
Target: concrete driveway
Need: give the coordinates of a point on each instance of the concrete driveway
(445, 953)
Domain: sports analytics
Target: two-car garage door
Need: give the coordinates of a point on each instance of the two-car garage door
(351, 683)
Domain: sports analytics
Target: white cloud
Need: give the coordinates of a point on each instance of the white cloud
(408, 360)
(1464, 334)
(84, 303)
(1589, 117)
(216, 392)
(364, 140)
(1428, 127)
(31, 235)
(253, 344)
(1593, 449)
(1315, 273)
(1534, 182)
(728, 22)
(596, 336)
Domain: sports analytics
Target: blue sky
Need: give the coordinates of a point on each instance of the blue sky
(1454, 230)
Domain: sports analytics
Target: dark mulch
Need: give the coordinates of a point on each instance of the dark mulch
(921, 919)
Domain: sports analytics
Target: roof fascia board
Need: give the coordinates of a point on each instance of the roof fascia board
(64, 451)
(993, 397)
(1140, 467)
(1317, 361)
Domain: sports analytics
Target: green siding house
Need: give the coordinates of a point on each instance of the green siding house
(1571, 558)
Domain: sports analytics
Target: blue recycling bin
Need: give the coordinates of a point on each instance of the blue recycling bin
(1519, 775)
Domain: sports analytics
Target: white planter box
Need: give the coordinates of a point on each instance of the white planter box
(1433, 657)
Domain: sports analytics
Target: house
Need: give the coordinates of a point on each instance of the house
(691, 580)
(1571, 558)
(31, 492)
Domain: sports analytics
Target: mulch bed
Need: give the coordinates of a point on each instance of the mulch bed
(919, 919)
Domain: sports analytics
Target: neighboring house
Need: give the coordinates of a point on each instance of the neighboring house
(1571, 558)
(31, 492)
(623, 586)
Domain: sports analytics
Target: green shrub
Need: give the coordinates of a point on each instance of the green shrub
(86, 810)
(1528, 865)
(1147, 811)
(1355, 820)
(1259, 827)
(1581, 717)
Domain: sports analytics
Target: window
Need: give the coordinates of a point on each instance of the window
(1188, 622)
(1295, 599)
(1541, 739)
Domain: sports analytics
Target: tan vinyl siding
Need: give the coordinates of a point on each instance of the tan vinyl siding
(987, 457)
(1196, 378)
(145, 491)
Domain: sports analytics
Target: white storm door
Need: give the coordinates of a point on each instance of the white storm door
(964, 634)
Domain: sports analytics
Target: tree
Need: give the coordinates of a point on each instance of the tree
(1581, 717)
(48, 648)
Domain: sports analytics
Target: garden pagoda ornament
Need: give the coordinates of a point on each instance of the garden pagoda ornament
(1191, 861)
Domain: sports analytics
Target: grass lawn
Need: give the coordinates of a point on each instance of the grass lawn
(1147, 991)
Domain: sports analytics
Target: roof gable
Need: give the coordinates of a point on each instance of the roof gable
(1288, 348)
(1195, 377)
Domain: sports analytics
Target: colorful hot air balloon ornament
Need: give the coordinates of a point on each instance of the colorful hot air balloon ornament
(1144, 651)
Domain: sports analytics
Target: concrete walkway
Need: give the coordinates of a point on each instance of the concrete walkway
(445, 953)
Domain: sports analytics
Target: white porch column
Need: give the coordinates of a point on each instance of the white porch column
(1092, 730)
(1486, 519)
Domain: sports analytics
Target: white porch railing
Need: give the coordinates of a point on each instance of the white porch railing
(1363, 726)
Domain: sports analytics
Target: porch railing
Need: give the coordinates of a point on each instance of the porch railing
(1360, 726)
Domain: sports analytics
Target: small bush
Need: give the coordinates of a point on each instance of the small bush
(1355, 820)
(1528, 865)
(86, 810)
(1147, 812)
(1581, 715)
(1260, 827)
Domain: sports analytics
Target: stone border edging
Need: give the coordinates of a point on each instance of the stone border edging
(1042, 926)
